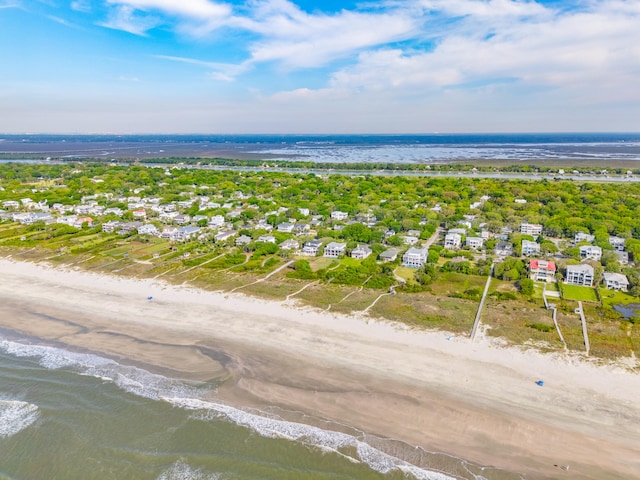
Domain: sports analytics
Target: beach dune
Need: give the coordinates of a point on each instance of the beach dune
(474, 400)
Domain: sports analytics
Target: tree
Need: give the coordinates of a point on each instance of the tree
(526, 286)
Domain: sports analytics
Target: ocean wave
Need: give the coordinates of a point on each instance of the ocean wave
(131, 379)
(15, 416)
(156, 387)
(182, 471)
(327, 440)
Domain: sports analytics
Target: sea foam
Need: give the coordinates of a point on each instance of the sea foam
(15, 416)
(156, 387)
(182, 471)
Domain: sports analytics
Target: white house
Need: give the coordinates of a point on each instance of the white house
(290, 244)
(338, 215)
(285, 227)
(361, 252)
(534, 229)
(452, 241)
(334, 249)
(579, 275)
(216, 221)
(148, 229)
(304, 212)
(530, 248)
(415, 257)
(475, 242)
(223, 236)
(186, 233)
(615, 281)
(312, 247)
(410, 240)
(617, 243)
(583, 237)
(267, 239)
(591, 252)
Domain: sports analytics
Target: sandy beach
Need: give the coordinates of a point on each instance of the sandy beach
(477, 401)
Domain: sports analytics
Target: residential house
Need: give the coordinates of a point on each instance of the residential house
(617, 243)
(285, 227)
(312, 247)
(301, 228)
(530, 249)
(623, 257)
(533, 229)
(169, 232)
(415, 257)
(615, 281)
(504, 249)
(361, 252)
(304, 212)
(389, 255)
(128, 228)
(216, 221)
(186, 233)
(267, 239)
(410, 240)
(139, 213)
(338, 215)
(475, 243)
(583, 237)
(113, 211)
(334, 249)
(579, 275)
(224, 236)
(542, 271)
(109, 227)
(452, 241)
(243, 240)
(590, 252)
(290, 244)
(182, 219)
(148, 229)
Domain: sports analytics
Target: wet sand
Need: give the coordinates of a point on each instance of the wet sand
(476, 401)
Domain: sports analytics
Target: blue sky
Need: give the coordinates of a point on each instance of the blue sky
(306, 66)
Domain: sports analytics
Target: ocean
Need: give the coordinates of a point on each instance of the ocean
(68, 415)
(335, 148)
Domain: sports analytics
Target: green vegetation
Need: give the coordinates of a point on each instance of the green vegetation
(382, 211)
(577, 293)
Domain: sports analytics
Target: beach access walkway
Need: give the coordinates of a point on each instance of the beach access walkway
(584, 327)
(476, 322)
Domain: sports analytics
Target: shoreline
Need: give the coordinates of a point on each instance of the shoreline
(475, 401)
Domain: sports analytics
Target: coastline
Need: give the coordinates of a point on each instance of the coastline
(476, 401)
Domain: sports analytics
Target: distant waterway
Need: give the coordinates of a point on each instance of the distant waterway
(423, 148)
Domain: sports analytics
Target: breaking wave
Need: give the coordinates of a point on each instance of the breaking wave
(15, 416)
(156, 387)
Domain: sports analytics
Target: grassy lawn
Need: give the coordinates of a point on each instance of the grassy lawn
(448, 283)
(577, 293)
(611, 297)
(407, 273)
(318, 263)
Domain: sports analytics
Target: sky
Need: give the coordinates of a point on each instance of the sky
(319, 66)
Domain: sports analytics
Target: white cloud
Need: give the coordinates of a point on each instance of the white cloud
(199, 9)
(126, 19)
(583, 52)
(83, 6)
(299, 39)
(221, 71)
